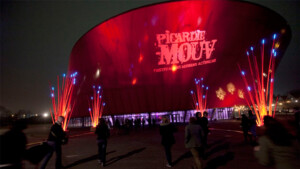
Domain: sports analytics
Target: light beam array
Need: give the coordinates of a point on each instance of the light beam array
(96, 105)
(200, 95)
(260, 94)
(64, 105)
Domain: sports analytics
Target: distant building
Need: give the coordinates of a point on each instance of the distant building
(287, 104)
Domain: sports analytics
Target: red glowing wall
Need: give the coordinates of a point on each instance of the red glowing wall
(124, 54)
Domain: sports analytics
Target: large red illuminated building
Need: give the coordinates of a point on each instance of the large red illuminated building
(146, 59)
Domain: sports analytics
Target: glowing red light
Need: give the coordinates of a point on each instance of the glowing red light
(146, 38)
(261, 99)
(64, 104)
(174, 68)
(141, 58)
(134, 81)
(97, 106)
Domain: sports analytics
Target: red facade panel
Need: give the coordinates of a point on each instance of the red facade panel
(147, 59)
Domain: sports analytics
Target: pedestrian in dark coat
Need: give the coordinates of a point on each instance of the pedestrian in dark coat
(13, 146)
(204, 125)
(198, 116)
(103, 133)
(277, 147)
(245, 126)
(166, 130)
(56, 138)
(252, 126)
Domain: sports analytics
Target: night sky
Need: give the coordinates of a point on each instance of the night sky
(37, 38)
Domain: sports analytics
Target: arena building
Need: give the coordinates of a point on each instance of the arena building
(146, 60)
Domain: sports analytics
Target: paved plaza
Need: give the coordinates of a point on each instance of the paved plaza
(141, 149)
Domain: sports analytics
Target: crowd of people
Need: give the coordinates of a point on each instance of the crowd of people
(276, 147)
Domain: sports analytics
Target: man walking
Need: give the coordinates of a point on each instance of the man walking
(194, 141)
(204, 125)
(103, 133)
(56, 138)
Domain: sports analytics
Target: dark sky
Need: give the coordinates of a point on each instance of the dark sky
(37, 38)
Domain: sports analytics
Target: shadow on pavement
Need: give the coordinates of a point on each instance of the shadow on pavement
(215, 143)
(93, 157)
(115, 159)
(183, 156)
(212, 151)
(216, 149)
(220, 160)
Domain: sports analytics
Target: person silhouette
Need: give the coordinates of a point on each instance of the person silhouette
(56, 138)
(194, 141)
(245, 127)
(166, 130)
(13, 146)
(252, 127)
(102, 133)
(277, 147)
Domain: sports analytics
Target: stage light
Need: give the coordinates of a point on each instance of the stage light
(249, 88)
(97, 73)
(96, 105)
(260, 99)
(174, 68)
(134, 80)
(200, 95)
(141, 58)
(45, 115)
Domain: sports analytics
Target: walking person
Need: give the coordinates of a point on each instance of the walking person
(245, 127)
(56, 138)
(194, 141)
(252, 127)
(204, 125)
(117, 126)
(102, 133)
(166, 130)
(277, 147)
(13, 146)
(297, 123)
(198, 116)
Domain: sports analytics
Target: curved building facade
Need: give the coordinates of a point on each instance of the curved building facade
(147, 59)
